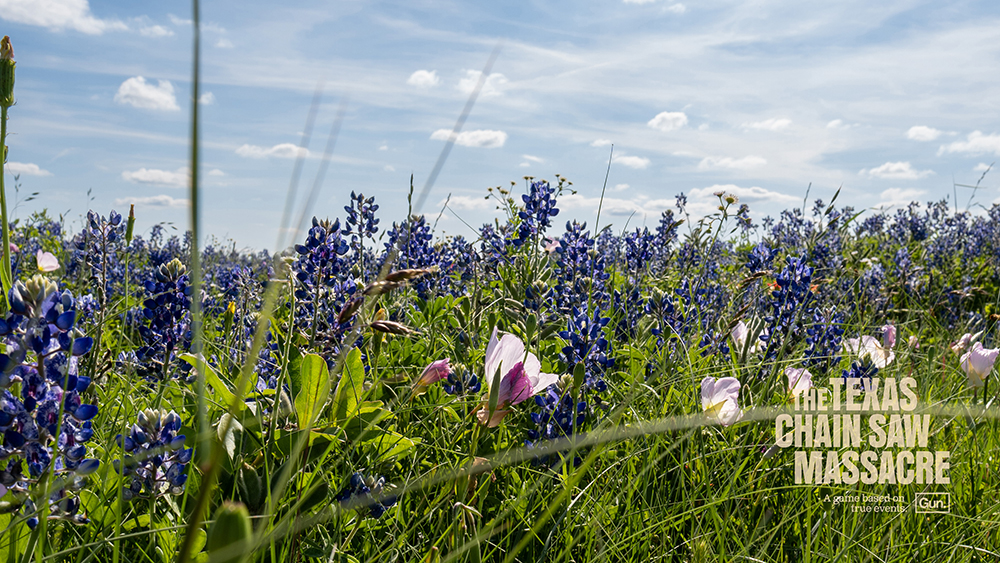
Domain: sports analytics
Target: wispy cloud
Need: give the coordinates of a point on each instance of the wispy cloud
(26, 169)
(668, 121)
(896, 171)
(206, 99)
(282, 150)
(982, 167)
(424, 79)
(155, 31)
(677, 8)
(601, 143)
(533, 158)
(464, 202)
(493, 85)
(748, 195)
(621, 187)
(480, 138)
(174, 179)
(840, 124)
(58, 15)
(899, 196)
(138, 93)
(773, 124)
(730, 163)
(636, 162)
(152, 201)
(975, 143)
(224, 44)
(922, 133)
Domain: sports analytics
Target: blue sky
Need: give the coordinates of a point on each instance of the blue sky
(892, 101)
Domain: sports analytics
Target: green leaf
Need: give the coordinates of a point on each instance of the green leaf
(350, 388)
(226, 431)
(390, 444)
(212, 378)
(314, 378)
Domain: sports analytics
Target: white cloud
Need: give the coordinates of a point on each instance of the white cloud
(922, 133)
(182, 22)
(156, 31)
(283, 150)
(532, 158)
(976, 143)
(899, 196)
(773, 124)
(896, 171)
(982, 167)
(424, 79)
(727, 162)
(839, 124)
(175, 179)
(637, 162)
(461, 202)
(491, 87)
(152, 201)
(26, 169)
(216, 172)
(58, 15)
(383, 147)
(747, 195)
(621, 187)
(668, 120)
(480, 138)
(224, 44)
(388, 168)
(677, 8)
(206, 99)
(601, 143)
(639, 1)
(703, 127)
(138, 93)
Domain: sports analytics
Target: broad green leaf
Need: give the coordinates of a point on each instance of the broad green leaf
(350, 388)
(226, 431)
(390, 445)
(212, 378)
(314, 379)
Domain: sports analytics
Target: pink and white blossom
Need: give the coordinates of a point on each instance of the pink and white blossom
(47, 262)
(434, 372)
(517, 372)
(978, 362)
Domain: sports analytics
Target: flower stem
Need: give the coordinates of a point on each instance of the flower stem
(5, 273)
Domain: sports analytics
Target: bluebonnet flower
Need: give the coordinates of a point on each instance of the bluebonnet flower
(415, 251)
(42, 347)
(859, 372)
(461, 381)
(539, 207)
(97, 248)
(165, 323)
(760, 258)
(792, 302)
(324, 283)
(361, 488)
(156, 460)
(825, 340)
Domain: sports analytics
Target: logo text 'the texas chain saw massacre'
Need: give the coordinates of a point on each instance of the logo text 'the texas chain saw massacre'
(831, 420)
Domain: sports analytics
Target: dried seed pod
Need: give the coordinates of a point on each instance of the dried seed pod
(392, 327)
(380, 287)
(349, 310)
(409, 274)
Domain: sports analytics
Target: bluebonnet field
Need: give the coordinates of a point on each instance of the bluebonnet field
(549, 390)
(442, 411)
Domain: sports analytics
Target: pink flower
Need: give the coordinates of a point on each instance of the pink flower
(718, 399)
(889, 335)
(913, 342)
(434, 372)
(551, 245)
(799, 380)
(963, 343)
(517, 372)
(978, 362)
(47, 262)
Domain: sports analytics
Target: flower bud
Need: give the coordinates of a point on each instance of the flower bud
(6, 73)
(130, 225)
(230, 535)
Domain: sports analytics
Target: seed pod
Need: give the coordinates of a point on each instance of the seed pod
(405, 275)
(380, 287)
(392, 327)
(349, 310)
(130, 225)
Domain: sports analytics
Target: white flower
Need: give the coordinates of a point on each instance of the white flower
(47, 262)
(799, 380)
(719, 399)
